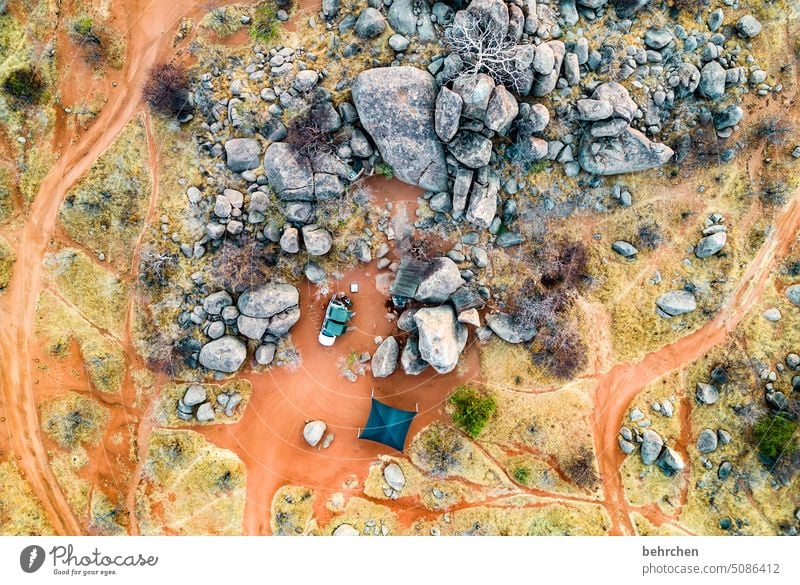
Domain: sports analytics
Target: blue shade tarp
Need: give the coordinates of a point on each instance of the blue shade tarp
(387, 425)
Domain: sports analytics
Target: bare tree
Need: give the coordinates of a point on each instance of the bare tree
(485, 47)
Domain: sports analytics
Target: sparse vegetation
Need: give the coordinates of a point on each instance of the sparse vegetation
(265, 24)
(774, 436)
(24, 85)
(105, 211)
(7, 260)
(472, 409)
(385, 170)
(73, 419)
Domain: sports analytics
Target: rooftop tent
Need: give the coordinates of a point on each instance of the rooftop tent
(387, 425)
(339, 313)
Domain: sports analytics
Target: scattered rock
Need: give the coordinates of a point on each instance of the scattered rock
(370, 23)
(313, 432)
(670, 461)
(194, 395)
(706, 393)
(509, 329)
(748, 27)
(676, 302)
(707, 441)
(346, 530)
(242, 154)
(394, 476)
(652, 444)
(205, 412)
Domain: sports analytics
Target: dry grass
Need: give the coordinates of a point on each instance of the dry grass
(106, 518)
(524, 516)
(442, 452)
(554, 425)
(98, 294)
(66, 468)
(73, 419)
(292, 511)
(7, 260)
(106, 210)
(358, 512)
(103, 357)
(20, 512)
(190, 487)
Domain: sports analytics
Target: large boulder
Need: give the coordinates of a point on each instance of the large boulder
(266, 300)
(396, 108)
(441, 337)
(509, 329)
(289, 173)
(313, 432)
(225, 354)
(384, 360)
(629, 152)
(242, 154)
(441, 280)
(670, 461)
(710, 245)
(410, 358)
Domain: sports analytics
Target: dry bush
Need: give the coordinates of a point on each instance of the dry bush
(239, 266)
(581, 470)
(485, 48)
(167, 89)
(307, 132)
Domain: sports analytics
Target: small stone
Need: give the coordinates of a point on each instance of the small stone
(772, 314)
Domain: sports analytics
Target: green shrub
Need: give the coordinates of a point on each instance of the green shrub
(774, 434)
(24, 85)
(385, 169)
(264, 27)
(522, 475)
(83, 28)
(472, 409)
